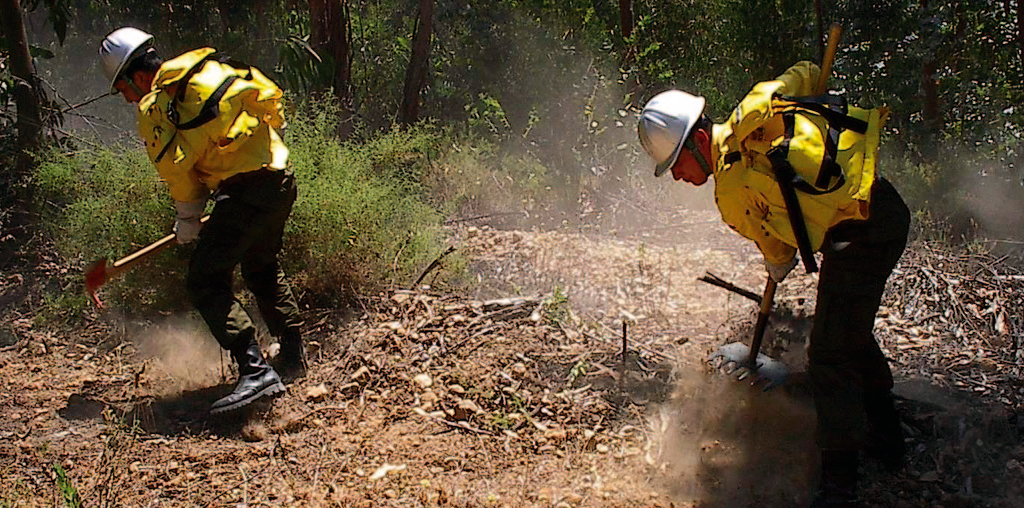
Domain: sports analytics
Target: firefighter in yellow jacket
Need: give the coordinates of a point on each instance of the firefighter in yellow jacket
(854, 218)
(211, 127)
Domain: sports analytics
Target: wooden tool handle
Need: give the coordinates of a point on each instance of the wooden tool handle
(144, 252)
(762, 319)
(835, 32)
(126, 262)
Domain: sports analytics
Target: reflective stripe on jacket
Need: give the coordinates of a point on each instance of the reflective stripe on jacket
(746, 192)
(243, 137)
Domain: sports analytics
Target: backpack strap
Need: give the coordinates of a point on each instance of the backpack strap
(833, 109)
(211, 107)
(829, 107)
(786, 178)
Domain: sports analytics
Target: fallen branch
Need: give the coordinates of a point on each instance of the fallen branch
(714, 280)
(433, 264)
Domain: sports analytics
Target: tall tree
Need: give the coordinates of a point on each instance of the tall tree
(930, 87)
(416, 73)
(626, 18)
(819, 14)
(29, 122)
(331, 28)
(628, 58)
(1020, 27)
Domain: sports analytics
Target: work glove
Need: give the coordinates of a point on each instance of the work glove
(187, 225)
(779, 272)
(838, 246)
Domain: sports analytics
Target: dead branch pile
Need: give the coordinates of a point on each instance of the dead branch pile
(519, 369)
(957, 318)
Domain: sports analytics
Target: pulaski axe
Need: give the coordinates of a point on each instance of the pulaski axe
(748, 362)
(99, 272)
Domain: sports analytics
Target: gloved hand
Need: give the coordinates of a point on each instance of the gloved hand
(778, 273)
(187, 225)
(838, 246)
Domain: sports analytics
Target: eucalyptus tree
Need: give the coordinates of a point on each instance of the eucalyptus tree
(23, 84)
(416, 72)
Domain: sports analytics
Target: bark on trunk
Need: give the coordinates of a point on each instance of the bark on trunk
(633, 87)
(1020, 27)
(331, 34)
(626, 18)
(930, 87)
(416, 73)
(819, 12)
(29, 123)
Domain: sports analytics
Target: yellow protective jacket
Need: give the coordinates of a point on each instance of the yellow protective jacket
(746, 192)
(242, 137)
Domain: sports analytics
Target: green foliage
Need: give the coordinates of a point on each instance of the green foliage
(556, 307)
(107, 203)
(299, 65)
(578, 371)
(362, 218)
(68, 492)
(58, 13)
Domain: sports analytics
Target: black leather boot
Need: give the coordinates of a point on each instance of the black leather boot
(884, 441)
(838, 480)
(291, 359)
(255, 379)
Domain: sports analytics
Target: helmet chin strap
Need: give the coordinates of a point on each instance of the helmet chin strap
(691, 145)
(135, 88)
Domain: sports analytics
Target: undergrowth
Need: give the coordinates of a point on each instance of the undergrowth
(369, 213)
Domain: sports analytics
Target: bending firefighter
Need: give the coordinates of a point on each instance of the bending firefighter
(795, 172)
(211, 128)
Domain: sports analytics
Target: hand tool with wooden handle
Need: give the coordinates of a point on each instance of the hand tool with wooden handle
(98, 272)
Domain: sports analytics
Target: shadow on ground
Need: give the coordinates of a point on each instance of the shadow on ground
(184, 413)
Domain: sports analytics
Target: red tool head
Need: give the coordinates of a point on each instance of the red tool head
(95, 276)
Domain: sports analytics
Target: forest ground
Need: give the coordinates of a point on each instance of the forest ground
(518, 393)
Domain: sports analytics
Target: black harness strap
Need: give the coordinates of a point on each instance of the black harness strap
(833, 109)
(211, 107)
(787, 179)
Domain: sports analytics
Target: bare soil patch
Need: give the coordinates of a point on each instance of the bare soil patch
(521, 394)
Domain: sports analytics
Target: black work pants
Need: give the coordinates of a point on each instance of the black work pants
(245, 228)
(846, 366)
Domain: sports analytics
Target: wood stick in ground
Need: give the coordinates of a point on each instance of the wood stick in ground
(625, 347)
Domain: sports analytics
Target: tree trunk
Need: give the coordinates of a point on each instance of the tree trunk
(331, 35)
(633, 88)
(626, 18)
(1020, 27)
(931, 96)
(819, 12)
(930, 87)
(29, 123)
(416, 73)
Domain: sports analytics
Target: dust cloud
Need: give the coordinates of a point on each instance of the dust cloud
(183, 356)
(994, 198)
(727, 444)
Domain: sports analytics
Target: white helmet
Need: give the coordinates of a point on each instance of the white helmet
(665, 122)
(119, 48)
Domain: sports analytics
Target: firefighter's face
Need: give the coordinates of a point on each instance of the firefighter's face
(686, 167)
(130, 87)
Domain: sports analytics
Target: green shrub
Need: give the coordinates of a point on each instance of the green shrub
(370, 213)
(363, 218)
(107, 203)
